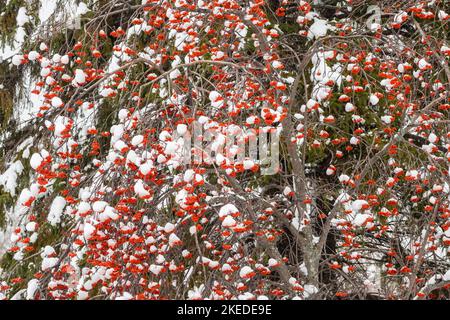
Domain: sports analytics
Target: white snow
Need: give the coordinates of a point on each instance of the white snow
(57, 102)
(82, 9)
(228, 222)
(216, 99)
(354, 140)
(309, 290)
(181, 129)
(387, 119)
(137, 140)
(65, 59)
(9, 178)
(446, 276)
(248, 164)
(31, 226)
(155, 269)
(169, 227)
(56, 209)
(373, 99)
(358, 205)
(360, 219)
(80, 77)
(88, 231)
(349, 107)
(433, 138)
(33, 55)
(189, 175)
(48, 263)
(46, 10)
(423, 64)
(442, 15)
(32, 287)
(245, 272)
(22, 17)
(17, 59)
(174, 240)
(140, 189)
(36, 160)
(227, 210)
(99, 206)
(273, 262)
(318, 29)
(145, 168)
